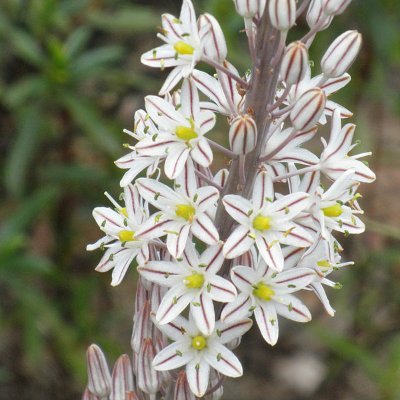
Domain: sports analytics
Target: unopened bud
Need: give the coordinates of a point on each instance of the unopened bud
(294, 63)
(341, 54)
(213, 40)
(182, 389)
(141, 327)
(98, 373)
(89, 396)
(335, 7)
(243, 134)
(282, 14)
(308, 109)
(122, 378)
(250, 8)
(316, 16)
(148, 379)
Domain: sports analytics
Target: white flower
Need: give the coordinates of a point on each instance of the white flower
(266, 222)
(120, 226)
(183, 48)
(268, 293)
(181, 131)
(193, 280)
(199, 353)
(335, 159)
(133, 162)
(182, 212)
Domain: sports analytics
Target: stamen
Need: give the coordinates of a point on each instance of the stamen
(183, 48)
(199, 342)
(263, 292)
(262, 223)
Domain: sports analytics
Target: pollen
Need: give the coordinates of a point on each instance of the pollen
(333, 211)
(186, 133)
(123, 212)
(199, 342)
(195, 281)
(183, 48)
(126, 236)
(262, 223)
(324, 265)
(263, 291)
(185, 211)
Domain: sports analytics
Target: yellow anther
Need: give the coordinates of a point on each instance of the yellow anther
(183, 48)
(123, 212)
(262, 223)
(199, 342)
(186, 211)
(263, 291)
(333, 211)
(185, 133)
(126, 236)
(195, 281)
(324, 265)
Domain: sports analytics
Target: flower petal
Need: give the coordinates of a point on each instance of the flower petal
(223, 360)
(267, 321)
(221, 289)
(176, 240)
(231, 331)
(237, 310)
(202, 310)
(176, 160)
(204, 229)
(238, 242)
(173, 356)
(292, 280)
(271, 252)
(161, 272)
(292, 308)
(198, 374)
(238, 208)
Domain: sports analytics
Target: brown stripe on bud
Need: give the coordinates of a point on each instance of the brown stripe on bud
(341, 54)
(148, 379)
(316, 15)
(282, 14)
(308, 109)
(182, 389)
(335, 7)
(213, 40)
(122, 378)
(243, 134)
(250, 8)
(99, 378)
(294, 63)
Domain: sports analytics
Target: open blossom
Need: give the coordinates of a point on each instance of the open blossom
(120, 241)
(199, 353)
(193, 280)
(269, 294)
(335, 159)
(181, 131)
(266, 223)
(180, 213)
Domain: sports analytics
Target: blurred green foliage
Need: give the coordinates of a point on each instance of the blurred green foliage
(70, 80)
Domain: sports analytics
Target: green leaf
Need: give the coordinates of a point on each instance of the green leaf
(25, 47)
(25, 90)
(23, 150)
(128, 20)
(99, 131)
(76, 41)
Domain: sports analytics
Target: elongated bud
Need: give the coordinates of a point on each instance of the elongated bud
(250, 8)
(294, 63)
(147, 377)
(98, 373)
(316, 15)
(282, 14)
(341, 54)
(308, 109)
(214, 44)
(243, 134)
(122, 378)
(335, 7)
(141, 327)
(182, 389)
(89, 396)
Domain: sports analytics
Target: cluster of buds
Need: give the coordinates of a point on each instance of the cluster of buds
(217, 249)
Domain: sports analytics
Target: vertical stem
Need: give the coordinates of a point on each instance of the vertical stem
(259, 96)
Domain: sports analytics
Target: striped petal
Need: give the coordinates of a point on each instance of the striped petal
(172, 80)
(292, 308)
(237, 310)
(176, 160)
(108, 220)
(198, 374)
(263, 189)
(189, 99)
(156, 193)
(271, 252)
(292, 280)
(267, 321)
(221, 289)
(204, 229)
(154, 227)
(207, 196)
(202, 153)
(238, 208)
(176, 241)
(238, 242)
(203, 313)
(161, 272)
(244, 278)
(213, 258)
(173, 356)
(232, 331)
(223, 360)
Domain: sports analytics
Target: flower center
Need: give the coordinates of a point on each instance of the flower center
(324, 265)
(185, 133)
(195, 281)
(263, 291)
(183, 48)
(333, 211)
(262, 223)
(126, 236)
(199, 342)
(185, 211)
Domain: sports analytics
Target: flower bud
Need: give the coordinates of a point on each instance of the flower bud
(250, 8)
(294, 63)
(148, 379)
(89, 396)
(141, 327)
(335, 7)
(213, 39)
(122, 378)
(316, 14)
(308, 109)
(282, 14)
(243, 134)
(341, 54)
(98, 373)
(182, 389)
